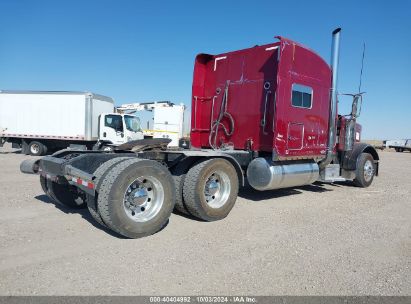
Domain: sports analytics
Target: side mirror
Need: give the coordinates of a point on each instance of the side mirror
(356, 106)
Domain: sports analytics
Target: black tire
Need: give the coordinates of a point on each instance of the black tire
(111, 205)
(195, 185)
(64, 194)
(43, 183)
(99, 175)
(44, 187)
(37, 148)
(179, 175)
(364, 174)
(25, 147)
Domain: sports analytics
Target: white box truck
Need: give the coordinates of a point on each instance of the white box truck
(38, 121)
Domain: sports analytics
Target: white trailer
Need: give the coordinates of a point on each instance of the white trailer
(400, 145)
(38, 121)
(394, 142)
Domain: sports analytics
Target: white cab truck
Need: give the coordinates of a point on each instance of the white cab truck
(38, 121)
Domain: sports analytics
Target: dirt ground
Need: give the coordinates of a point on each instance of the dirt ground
(331, 239)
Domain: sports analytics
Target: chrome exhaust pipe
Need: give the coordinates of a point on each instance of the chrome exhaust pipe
(335, 58)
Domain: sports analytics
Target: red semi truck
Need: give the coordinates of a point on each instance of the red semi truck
(266, 116)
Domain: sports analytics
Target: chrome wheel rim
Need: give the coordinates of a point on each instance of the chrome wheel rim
(368, 170)
(143, 199)
(34, 148)
(217, 189)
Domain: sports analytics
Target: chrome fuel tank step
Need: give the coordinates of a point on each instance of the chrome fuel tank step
(262, 175)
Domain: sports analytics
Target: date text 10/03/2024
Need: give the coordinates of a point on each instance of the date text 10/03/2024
(203, 299)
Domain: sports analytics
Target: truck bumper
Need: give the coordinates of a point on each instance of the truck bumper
(77, 167)
(54, 169)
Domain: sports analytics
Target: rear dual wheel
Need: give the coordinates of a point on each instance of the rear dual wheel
(136, 197)
(99, 175)
(179, 175)
(210, 189)
(36, 148)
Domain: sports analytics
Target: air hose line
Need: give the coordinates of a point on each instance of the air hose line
(218, 123)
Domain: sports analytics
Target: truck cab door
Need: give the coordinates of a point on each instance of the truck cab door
(132, 129)
(112, 128)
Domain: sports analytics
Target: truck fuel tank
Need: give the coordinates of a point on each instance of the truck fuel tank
(263, 175)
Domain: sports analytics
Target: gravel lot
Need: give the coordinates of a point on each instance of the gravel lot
(312, 240)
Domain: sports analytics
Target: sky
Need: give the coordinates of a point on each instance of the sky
(137, 51)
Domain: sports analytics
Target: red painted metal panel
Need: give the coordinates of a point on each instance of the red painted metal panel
(295, 136)
(299, 65)
(258, 83)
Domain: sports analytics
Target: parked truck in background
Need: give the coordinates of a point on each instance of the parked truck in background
(38, 121)
(267, 114)
(400, 145)
(167, 119)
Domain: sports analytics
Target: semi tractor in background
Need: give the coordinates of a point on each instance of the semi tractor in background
(40, 121)
(266, 116)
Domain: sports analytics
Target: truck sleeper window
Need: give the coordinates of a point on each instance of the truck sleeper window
(302, 96)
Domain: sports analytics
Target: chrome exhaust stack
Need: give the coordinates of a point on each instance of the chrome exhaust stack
(335, 58)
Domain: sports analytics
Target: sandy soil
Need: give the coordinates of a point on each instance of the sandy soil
(332, 239)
